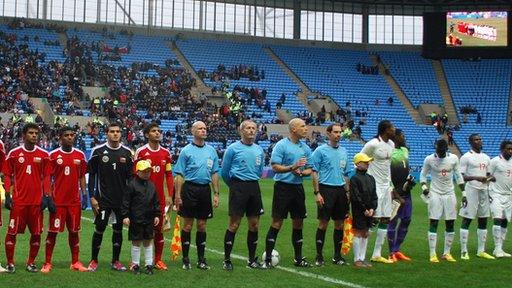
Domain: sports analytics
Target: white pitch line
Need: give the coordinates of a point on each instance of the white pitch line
(290, 270)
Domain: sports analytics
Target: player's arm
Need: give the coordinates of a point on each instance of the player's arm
(215, 187)
(178, 185)
(459, 178)
(92, 167)
(425, 171)
(125, 206)
(355, 191)
(226, 165)
(7, 171)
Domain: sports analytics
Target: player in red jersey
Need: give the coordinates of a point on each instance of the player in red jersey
(2, 160)
(160, 160)
(68, 169)
(28, 166)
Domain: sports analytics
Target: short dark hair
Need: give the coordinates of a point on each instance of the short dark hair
(329, 128)
(470, 138)
(442, 143)
(504, 144)
(150, 126)
(383, 126)
(398, 132)
(30, 126)
(64, 129)
(114, 124)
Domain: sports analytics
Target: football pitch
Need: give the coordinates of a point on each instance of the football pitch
(419, 272)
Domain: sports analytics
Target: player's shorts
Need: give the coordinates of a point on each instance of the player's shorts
(69, 216)
(245, 198)
(22, 216)
(138, 231)
(442, 206)
(501, 206)
(288, 198)
(385, 205)
(107, 216)
(335, 203)
(197, 201)
(359, 220)
(478, 204)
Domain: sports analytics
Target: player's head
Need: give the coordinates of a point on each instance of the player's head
(334, 132)
(67, 136)
(441, 148)
(153, 132)
(114, 133)
(386, 129)
(362, 161)
(399, 138)
(506, 149)
(30, 133)
(199, 130)
(475, 141)
(143, 168)
(298, 128)
(248, 131)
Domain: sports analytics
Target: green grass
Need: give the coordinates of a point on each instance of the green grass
(467, 41)
(419, 272)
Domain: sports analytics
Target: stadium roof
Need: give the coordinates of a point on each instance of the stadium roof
(442, 3)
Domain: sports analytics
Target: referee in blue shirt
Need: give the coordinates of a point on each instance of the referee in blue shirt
(242, 166)
(331, 186)
(195, 169)
(290, 160)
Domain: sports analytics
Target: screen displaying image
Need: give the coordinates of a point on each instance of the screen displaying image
(476, 29)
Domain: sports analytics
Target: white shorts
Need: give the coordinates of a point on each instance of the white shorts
(442, 205)
(501, 206)
(384, 206)
(478, 204)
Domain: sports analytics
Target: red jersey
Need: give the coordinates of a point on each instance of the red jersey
(67, 168)
(30, 170)
(160, 160)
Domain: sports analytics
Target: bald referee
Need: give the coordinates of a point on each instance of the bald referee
(290, 160)
(242, 166)
(196, 168)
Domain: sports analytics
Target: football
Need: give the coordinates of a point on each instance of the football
(275, 257)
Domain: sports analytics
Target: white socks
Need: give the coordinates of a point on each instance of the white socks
(498, 240)
(482, 238)
(464, 240)
(432, 242)
(148, 255)
(379, 241)
(362, 250)
(448, 241)
(356, 248)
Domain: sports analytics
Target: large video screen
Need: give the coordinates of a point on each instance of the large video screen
(476, 29)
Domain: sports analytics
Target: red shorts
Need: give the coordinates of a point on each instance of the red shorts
(69, 216)
(25, 215)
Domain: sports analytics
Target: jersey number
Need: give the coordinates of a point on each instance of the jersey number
(114, 166)
(156, 169)
(66, 170)
(56, 224)
(28, 170)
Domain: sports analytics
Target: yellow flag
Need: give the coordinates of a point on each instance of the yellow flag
(176, 239)
(348, 235)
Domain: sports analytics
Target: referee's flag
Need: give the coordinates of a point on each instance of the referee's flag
(176, 239)
(348, 235)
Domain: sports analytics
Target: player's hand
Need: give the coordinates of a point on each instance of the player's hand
(319, 200)
(491, 179)
(215, 200)
(168, 202)
(95, 206)
(126, 221)
(156, 221)
(482, 179)
(84, 202)
(297, 172)
(8, 202)
(401, 200)
(464, 202)
(51, 204)
(426, 191)
(178, 202)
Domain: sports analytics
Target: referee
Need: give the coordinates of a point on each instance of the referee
(242, 166)
(110, 168)
(331, 188)
(195, 169)
(290, 160)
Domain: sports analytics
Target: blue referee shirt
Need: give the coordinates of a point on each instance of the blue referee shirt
(331, 164)
(197, 164)
(288, 153)
(242, 161)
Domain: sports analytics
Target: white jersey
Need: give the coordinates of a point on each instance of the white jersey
(380, 167)
(475, 164)
(442, 171)
(501, 169)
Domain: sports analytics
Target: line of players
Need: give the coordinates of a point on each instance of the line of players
(60, 175)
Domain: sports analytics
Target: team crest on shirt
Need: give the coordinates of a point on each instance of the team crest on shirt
(105, 159)
(60, 161)
(21, 160)
(123, 160)
(37, 159)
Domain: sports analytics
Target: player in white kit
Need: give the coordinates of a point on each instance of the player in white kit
(380, 149)
(473, 166)
(442, 167)
(500, 192)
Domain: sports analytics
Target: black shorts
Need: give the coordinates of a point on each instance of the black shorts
(197, 201)
(288, 198)
(245, 198)
(335, 203)
(138, 231)
(360, 221)
(102, 219)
